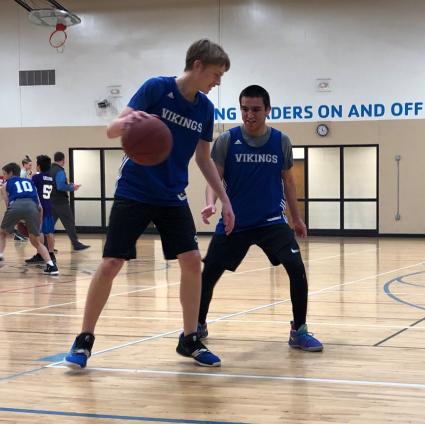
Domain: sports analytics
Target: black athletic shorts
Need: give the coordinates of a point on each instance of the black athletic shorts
(129, 219)
(277, 241)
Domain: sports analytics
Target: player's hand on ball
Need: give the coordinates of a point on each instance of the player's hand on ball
(207, 212)
(136, 115)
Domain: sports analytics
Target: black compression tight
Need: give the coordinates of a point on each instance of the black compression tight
(299, 291)
(210, 275)
(298, 288)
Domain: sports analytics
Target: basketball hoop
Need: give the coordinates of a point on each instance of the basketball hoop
(56, 39)
(60, 19)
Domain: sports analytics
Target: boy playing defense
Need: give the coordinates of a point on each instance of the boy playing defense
(255, 161)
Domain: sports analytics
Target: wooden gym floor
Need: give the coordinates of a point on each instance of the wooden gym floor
(367, 305)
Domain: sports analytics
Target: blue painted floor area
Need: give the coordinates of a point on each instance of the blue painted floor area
(111, 417)
(53, 358)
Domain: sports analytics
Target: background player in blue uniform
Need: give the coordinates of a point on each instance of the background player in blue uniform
(156, 193)
(43, 182)
(22, 203)
(253, 160)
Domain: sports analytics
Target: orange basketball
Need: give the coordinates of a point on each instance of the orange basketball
(147, 141)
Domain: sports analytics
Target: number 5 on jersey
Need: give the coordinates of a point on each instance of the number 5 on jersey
(47, 191)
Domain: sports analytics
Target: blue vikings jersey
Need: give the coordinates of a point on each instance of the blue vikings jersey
(165, 184)
(253, 182)
(20, 188)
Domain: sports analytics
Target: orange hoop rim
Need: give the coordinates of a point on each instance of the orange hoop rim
(59, 28)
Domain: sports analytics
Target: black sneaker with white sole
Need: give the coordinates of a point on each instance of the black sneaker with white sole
(191, 346)
(36, 259)
(51, 270)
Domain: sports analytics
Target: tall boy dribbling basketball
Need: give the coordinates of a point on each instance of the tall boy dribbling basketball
(157, 194)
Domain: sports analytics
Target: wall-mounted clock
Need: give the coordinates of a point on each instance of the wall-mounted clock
(322, 130)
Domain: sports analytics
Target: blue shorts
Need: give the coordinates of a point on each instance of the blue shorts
(48, 226)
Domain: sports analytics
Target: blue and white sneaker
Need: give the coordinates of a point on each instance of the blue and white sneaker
(80, 351)
(202, 331)
(304, 340)
(191, 346)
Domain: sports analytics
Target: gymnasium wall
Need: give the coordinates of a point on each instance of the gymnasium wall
(370, 54)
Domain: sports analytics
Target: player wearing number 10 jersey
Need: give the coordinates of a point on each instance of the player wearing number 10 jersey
(43, 182)
(21, 198)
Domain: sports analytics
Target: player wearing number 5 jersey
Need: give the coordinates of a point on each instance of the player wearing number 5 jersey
(22, 202)
(44, 185)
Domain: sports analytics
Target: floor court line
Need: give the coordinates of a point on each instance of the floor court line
(401, 331)
(337, 256)
(395, 295)
(144, 289)
(83, 300)
(144, 339)
(312, 293)
(112, 295)
(217, 375)
(19, 374)
(147, 318)
(217, 319)
(227, 273)
(111, 417)
(72, 280)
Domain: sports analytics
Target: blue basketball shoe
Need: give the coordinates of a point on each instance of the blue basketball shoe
(191, 346)
(304, 340)
(202, 331)
(80, 351)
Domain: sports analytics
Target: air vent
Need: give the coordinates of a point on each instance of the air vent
(42, 77)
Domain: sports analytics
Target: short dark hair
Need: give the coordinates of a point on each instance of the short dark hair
(44, 162)
(58, 156)
(208, 52)
(256, 91)
(13, 168)
(26, 160)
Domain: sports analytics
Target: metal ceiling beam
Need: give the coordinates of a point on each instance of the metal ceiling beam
(57, 5)
(24, 5)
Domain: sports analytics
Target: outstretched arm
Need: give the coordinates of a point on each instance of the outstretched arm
(209, 170)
